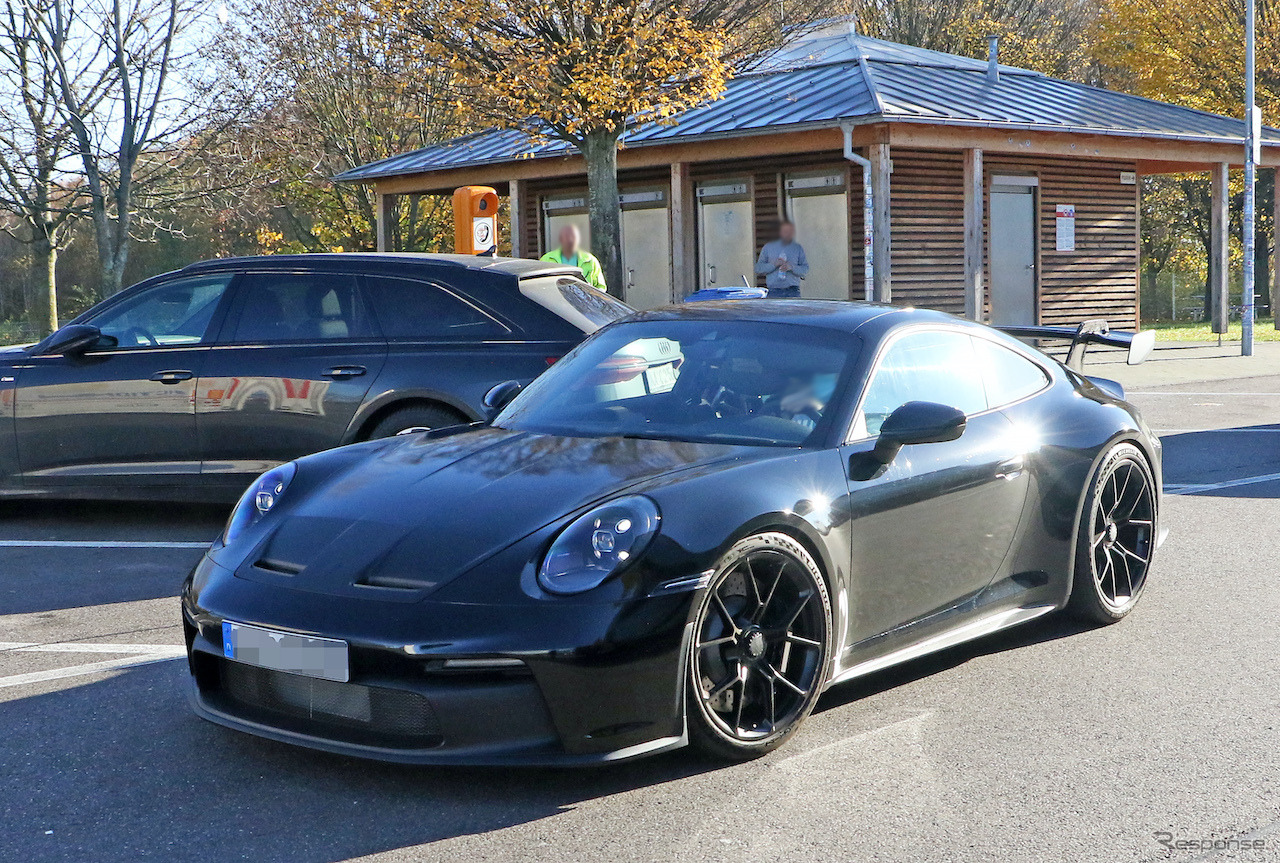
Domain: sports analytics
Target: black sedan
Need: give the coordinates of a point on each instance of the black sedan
(192, 383)
(683, 532)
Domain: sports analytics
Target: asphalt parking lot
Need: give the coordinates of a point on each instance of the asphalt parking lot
(1049, 742)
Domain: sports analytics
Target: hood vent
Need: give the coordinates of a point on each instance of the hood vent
(280, 567)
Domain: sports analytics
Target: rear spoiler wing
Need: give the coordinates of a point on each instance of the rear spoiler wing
(1098, 332)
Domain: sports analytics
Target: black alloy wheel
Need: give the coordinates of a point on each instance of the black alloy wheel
(1117, 537)
(761, 646)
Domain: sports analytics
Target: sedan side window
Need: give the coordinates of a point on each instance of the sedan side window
(928, 366)
(410, 310)
(302, 307)
(1009, 376)
(175, 313)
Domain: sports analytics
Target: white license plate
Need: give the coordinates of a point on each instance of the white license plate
(285, 651)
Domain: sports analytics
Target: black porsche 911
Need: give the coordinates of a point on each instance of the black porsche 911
(684, 531)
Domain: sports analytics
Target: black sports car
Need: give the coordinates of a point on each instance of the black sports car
(684, 531)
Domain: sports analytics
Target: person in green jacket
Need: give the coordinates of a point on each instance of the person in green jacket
(570, 253)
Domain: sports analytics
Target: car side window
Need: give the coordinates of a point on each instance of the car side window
(175, 313)
(926, 366)
(408, 310)
(1008, 375)
(302, 307)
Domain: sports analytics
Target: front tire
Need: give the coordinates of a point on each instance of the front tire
(414, 418)
(1116, 539)
(761, 648)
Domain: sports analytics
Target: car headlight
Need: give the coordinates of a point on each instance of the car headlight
(598, 544)
(259, 500)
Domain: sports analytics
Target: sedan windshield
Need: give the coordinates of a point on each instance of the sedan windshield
(715, 381)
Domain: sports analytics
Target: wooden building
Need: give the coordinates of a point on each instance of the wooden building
(996, 192)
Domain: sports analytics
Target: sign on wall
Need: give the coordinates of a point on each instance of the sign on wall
(1066, 222)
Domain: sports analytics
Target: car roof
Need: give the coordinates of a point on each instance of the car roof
(841, 315)
(521, 268)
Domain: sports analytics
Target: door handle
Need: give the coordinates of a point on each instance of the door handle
(711, 272)
(172, 377)
(1012, 468)
(342, 372)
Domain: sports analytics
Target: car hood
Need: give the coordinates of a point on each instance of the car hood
(9, 352)
(412, 516)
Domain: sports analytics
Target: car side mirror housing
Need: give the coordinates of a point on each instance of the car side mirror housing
(72, 339)
(915, 423)
(500, 396)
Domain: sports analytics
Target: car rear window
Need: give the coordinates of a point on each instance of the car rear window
(290, 307)
(1008, 376)
(575, 301)
(408, 309)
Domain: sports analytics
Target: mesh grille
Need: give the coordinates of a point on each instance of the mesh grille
(390, 713)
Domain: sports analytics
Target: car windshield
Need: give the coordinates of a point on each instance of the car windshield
(714, 381)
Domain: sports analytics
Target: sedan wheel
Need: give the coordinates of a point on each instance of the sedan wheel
(761, 648)
(1117, 537)
(415, 418)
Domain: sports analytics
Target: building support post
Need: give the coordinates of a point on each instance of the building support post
(1275, 247)
(881, 169)
(1253, 129)
(973, 235)
(684, 220)
(516, 191)
(384, 218)
(1218, 248)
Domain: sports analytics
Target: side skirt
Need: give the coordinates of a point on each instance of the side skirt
(985, 625)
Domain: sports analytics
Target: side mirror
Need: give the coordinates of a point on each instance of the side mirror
(72, 339)
(500, 396)
(917, 422)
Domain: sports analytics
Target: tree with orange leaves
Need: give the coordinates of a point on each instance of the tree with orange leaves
(1189, 52)
(584, 70)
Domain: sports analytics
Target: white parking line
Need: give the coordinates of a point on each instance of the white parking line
(95, 543)
(1219, 431)
(167, 651)
(1196, 488)
(138, 654)
(1166, 393)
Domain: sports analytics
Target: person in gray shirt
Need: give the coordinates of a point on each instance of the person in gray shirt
(783, 263)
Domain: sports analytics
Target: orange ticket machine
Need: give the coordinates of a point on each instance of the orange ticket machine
(475, 220)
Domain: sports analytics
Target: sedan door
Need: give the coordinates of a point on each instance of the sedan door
(300, 353)
(933, 527)
(124, 410)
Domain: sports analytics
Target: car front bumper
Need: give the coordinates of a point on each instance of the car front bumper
(449, 683)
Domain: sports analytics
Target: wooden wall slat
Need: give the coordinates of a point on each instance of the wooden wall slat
(926, 206)
(1099, 279)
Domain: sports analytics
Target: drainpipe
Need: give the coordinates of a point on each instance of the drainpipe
(868, 213)
(993, 58)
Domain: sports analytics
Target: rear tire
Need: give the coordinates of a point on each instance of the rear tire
(760, 651)
(1116, 538)
(415, 418)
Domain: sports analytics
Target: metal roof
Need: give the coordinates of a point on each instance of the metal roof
(836, 77)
